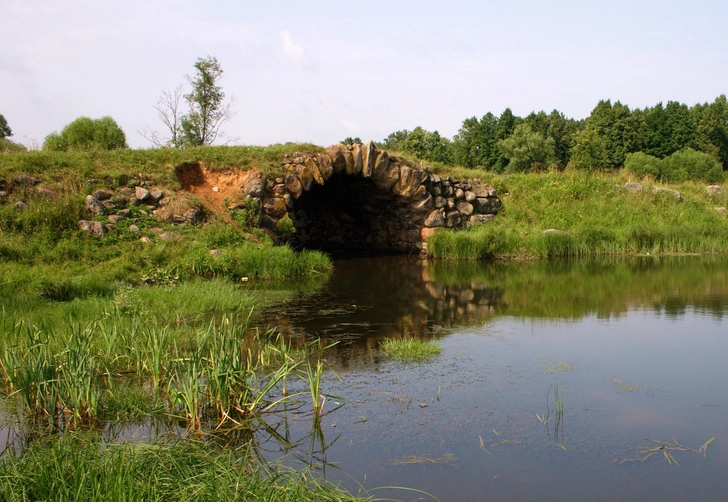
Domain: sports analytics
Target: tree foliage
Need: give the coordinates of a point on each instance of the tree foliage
(428, 145)
(5, 130)
(85, 133)
(395, 141)
(527, 150)
(610, 135)
(207, 109)
(686, 164)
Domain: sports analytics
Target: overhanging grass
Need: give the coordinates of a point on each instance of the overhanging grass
(579, 214)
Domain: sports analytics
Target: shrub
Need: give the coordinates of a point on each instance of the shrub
(684, 165)
(689, 164)
(642, 164)
(87, 134)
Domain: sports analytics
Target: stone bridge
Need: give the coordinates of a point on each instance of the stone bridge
(355, 198)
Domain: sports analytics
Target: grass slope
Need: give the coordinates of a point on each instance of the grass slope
(578, 213)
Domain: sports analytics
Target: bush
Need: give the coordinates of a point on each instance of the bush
(87, 134)
(642, 164)
(684, 165)
(689, 164)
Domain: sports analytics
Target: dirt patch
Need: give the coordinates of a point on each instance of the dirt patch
(216, 189)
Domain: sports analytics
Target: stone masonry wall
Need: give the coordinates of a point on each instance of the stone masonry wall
(357, 198)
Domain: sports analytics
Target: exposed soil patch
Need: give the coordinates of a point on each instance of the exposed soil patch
(215, 189)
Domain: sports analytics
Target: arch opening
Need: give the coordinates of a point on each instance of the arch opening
(352, 215)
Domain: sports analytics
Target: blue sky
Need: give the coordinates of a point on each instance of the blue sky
(321, 71)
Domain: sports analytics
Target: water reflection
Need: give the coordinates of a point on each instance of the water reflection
(369, 299)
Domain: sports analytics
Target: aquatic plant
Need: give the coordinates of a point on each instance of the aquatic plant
(667, 449)
(410, 349)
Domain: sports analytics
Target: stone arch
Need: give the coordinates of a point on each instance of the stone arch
(355, 198)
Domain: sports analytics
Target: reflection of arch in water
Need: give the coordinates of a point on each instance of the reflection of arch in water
(369, 299)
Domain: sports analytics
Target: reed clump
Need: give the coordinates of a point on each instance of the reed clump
(69, 376)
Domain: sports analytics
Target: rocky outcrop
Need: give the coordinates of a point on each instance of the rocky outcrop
(358, 198)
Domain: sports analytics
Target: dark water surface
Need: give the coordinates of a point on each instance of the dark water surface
(637, 350)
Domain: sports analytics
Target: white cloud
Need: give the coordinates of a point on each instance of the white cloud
(291, 50)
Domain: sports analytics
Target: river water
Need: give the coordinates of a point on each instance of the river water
(559, 380)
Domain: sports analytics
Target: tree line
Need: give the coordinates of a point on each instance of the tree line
(613, 136)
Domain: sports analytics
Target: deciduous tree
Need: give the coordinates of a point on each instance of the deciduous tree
(5, 130)
(207, 109)
(527, 150)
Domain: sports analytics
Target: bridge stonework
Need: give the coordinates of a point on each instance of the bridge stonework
(355, 198)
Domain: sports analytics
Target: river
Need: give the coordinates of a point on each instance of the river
(577, 380)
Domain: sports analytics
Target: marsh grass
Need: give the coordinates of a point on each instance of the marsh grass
(419, 459)
(410, 349)
(79, 374)
(629, 388)
(77, 466)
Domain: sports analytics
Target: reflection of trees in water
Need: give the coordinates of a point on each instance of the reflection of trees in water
(368, 299)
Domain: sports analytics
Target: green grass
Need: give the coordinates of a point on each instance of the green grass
(68, 373)
(585, 214)
(410, 350)
(42, 250)
(74, 168)
(78, 467)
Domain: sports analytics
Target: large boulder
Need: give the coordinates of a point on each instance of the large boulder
(714, 190)
(667, 191)
(293, 185)
(94, 205)
(409, 181)
(94, 227)
(633, 187)
(254, 186)
(368, 159)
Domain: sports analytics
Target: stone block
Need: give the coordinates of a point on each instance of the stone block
(465, 208)
(436, 219)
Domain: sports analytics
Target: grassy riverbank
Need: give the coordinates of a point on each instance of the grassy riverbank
(132, 330)
(178, 364)
(80, 467)
(581, 214)
(43, 251)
